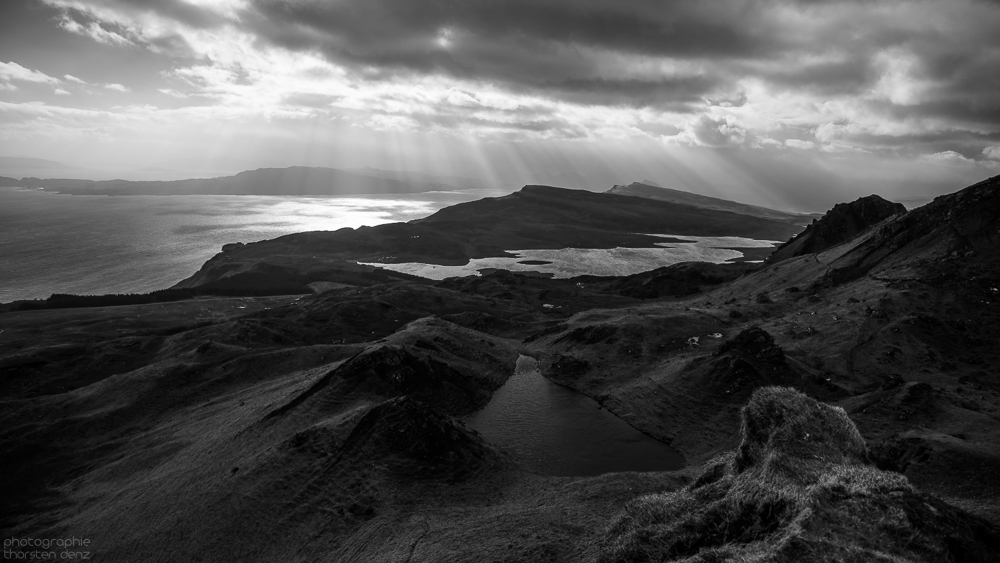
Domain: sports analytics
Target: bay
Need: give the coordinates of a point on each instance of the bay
(54, 243)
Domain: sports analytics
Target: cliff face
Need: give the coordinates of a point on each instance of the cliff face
(840, 224)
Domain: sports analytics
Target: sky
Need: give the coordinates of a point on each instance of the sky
(791, 104)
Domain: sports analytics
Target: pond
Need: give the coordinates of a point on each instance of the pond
(555, 430)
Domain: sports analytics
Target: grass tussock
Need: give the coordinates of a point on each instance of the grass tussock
(800, 487)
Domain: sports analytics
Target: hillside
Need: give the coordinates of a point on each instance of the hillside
(898, 326)
(840, 224)
(839, 404)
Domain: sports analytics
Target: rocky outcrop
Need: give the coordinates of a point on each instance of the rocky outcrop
(937, 238)
(800, 487)
(842, 223)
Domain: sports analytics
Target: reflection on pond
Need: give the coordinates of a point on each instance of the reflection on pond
(554, 430)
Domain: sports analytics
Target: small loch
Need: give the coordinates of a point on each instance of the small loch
(554, 430)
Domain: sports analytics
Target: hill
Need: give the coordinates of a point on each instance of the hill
(536, 217)
(842, 223)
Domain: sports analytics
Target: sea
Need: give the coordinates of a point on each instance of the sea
(93, 245)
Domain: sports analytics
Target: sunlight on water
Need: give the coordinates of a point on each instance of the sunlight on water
(51, 243)
(569, 262)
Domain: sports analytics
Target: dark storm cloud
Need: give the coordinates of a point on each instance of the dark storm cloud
(552, 46)
(376, 30)
(679, 95)
(916, 64)
(177, 10)
(592, 52)
(828, 78)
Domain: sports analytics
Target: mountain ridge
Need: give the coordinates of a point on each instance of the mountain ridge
(649, 191)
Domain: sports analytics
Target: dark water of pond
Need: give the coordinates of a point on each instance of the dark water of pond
(554, 430)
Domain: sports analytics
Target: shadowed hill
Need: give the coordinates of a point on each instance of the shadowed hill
(840, 224)
(678, 280)
(800, 487)
(699, 376)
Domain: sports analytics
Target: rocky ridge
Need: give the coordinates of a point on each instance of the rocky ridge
(840, 224)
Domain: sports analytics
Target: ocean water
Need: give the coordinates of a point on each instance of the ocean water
(557, 431)
(52, 243)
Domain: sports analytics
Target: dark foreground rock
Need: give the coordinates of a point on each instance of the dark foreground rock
(800, 487)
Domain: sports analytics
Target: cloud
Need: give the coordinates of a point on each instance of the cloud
(799, 144)
(95, 31)
(172, 92)
(12, 71)
(117, 87)
(721, 132)
(71, 78)
(947, 157)
(992, 152)
(61, 92)
(913, 76)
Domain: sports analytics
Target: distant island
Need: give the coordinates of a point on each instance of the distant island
(291, 181)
